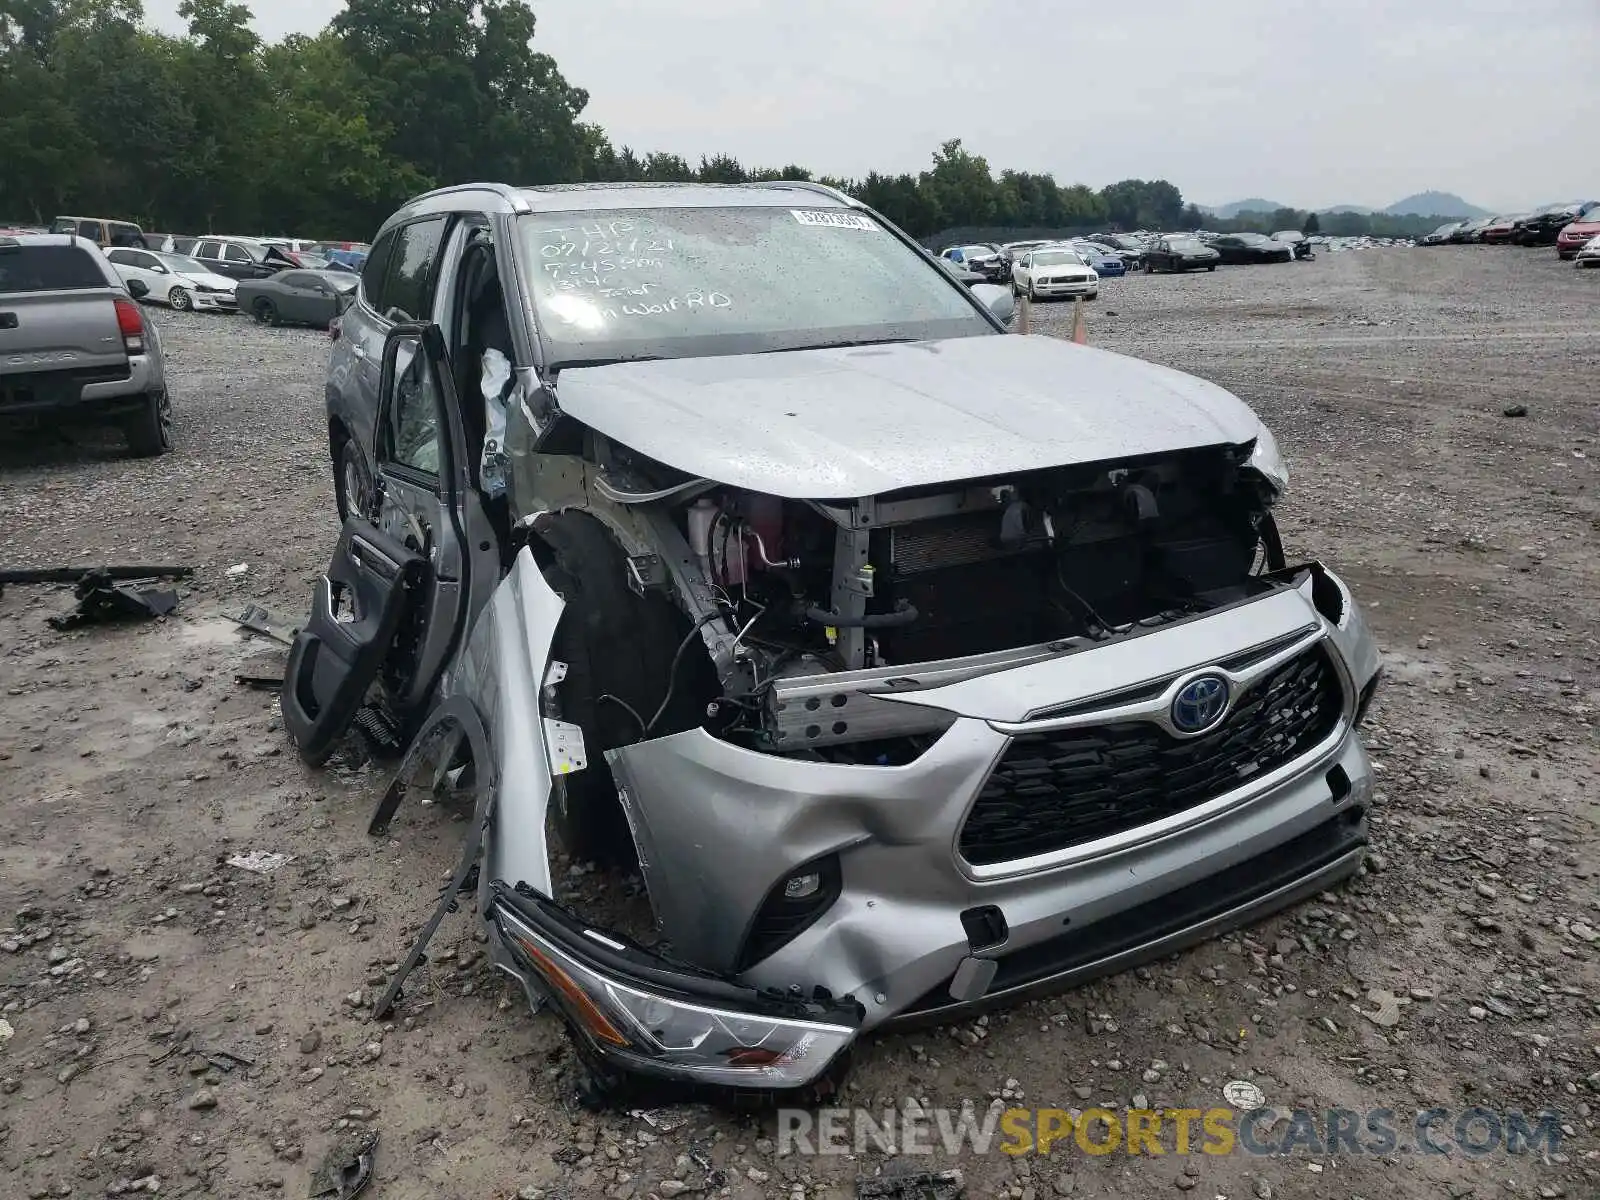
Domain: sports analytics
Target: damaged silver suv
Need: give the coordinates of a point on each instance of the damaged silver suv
(916, 665)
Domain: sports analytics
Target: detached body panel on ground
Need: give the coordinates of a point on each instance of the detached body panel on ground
(915, 666)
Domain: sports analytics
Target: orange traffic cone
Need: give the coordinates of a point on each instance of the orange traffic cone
(1079, 333)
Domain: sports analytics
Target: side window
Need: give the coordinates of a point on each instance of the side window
(294, 279)
(63, 225)
(123, 258)
(411, 274)
(90, 230)
(413, 416)
(208, 250)
(235, 254)
(373, 272)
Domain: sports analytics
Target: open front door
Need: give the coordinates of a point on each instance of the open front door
(394, 603)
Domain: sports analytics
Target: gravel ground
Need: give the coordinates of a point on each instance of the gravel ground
(1459, 969)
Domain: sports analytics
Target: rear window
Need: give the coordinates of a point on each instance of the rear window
(47, 269)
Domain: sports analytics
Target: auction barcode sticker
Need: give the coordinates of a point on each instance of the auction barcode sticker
(837, 220)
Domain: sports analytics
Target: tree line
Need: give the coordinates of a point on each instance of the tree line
(325, 135)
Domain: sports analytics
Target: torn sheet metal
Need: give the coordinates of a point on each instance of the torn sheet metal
(347, 1168)
(260, 862)
(267, 623)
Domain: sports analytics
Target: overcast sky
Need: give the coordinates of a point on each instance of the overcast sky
(1337, 102)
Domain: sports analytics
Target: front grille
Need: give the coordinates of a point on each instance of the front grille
(1053, 791)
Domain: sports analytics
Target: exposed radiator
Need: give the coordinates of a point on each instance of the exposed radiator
(957, 541)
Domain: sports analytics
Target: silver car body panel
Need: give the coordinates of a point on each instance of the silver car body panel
(717, 825)
(502, 669)
(868, 420)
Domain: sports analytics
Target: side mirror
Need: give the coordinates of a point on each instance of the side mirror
(998, 300)
(160, 270)
(138, 289)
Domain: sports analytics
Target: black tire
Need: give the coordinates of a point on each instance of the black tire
(615, 643)
(180, 300)
(350, 470)
(1212, 267)
(1092, 296)
(1149, 267)
(149, 431)
(264, 311)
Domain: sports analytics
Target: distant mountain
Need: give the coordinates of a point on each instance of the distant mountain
(1423, 204)
(1435, 204)
(1254, 204)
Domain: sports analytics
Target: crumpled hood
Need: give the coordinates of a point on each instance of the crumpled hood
(837, 423)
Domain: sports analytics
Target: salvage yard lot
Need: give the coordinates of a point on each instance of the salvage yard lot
(132, 765)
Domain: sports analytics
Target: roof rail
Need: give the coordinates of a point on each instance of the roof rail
(820, 188)
(512, 196)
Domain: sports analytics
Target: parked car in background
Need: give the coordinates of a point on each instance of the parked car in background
(1179, 252)
(102, 231)
(1469, 231)
(1543, 227)
(1015, 250)
(986, 260)
(1501, 230)
(240, 258)
(297, 297)
(352, 260)
(965, 274)
(75, 348)
(1576, 234)
(1247, 248)
(1296, 241)
(293, 245)
(1440, 235)
(175, 280)
(1104, 261)
(1052, 272)
(1131, 249)
(1588, 254)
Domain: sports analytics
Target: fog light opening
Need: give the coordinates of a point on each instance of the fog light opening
(1338, 780)
(799, 887)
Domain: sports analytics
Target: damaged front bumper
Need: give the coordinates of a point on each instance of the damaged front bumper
(634, 1012)
(816, 900)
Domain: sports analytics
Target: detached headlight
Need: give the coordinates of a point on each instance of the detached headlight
(1268, 460)
(673, 1035)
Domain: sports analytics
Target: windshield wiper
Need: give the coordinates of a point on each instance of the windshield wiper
(884, 341)
(572, 364)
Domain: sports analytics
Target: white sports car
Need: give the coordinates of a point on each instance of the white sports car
(1054, 271)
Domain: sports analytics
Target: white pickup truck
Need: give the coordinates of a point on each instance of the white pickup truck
(75, 347)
